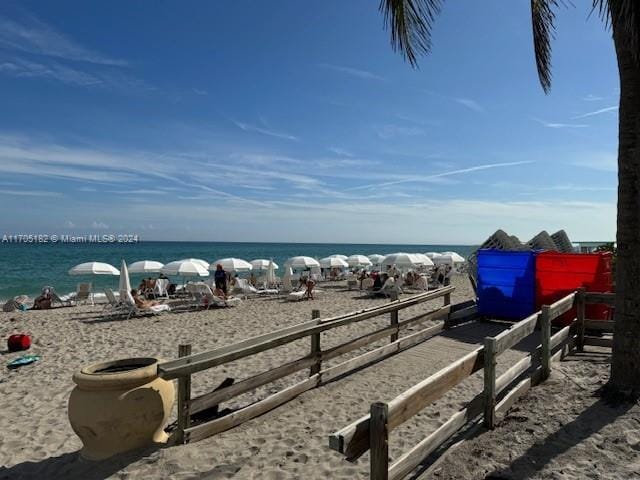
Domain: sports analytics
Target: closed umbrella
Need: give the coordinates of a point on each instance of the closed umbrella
(302, 262)
(185, 268)
(145, 266)
(125, 284)
(232, 265)
(271, 273)
(333, 262)
(263, 264)
(94, 268)
(359, 261)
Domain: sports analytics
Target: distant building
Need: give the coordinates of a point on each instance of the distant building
(588, 247)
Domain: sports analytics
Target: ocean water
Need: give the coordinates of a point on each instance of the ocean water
(25, 268)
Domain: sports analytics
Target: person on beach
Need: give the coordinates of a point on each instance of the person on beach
(218, 292)
(43, 301)
(141, 302)
(309, 291)
(220, 277)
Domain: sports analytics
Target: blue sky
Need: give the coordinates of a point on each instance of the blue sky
(290, 121)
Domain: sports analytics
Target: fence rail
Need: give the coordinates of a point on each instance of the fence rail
(188, 364)
(371, 432)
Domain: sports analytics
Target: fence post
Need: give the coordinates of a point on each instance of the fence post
(489, 382)
(447, 301)
(580, 297)
(394, 323)
(545, 331)
(379, 442)
(184, 397)
(315, 347)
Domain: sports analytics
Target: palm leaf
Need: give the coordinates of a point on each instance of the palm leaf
(410, 23)
(542, 20)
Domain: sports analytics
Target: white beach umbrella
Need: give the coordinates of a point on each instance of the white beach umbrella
(263, 264)
(337, 255)
(302, 262)
(359, 261)
(402, 260)
(376, 258)
(433, 255)
(145, 266)
(125, 284)
(455, 257)
(333, 262)
(232, 265)
(185, 268)
(94, 268)
(443, 260)
(199, 261)
(424, 259)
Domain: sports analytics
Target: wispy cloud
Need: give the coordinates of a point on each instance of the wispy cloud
(33, 36)
(560, 125)
(391, 130)
(18, 67)
(596, 112)
(198, 91)
(592, 98)
(265, 131)
(354, 72)
(341, 151)
(430, 178)
(30, 193)
(601, 161)
(470, 104)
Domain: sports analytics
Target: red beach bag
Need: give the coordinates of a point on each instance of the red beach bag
(18, 342)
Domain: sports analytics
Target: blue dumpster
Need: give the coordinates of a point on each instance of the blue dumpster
(506, 284)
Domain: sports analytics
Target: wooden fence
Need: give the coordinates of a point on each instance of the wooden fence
(188, 364)
(371, 432)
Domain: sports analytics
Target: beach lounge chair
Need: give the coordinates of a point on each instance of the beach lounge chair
(114, 307)
(84, 293)
(133, 310)
(160, 288)
(204, 297)
(64, 301)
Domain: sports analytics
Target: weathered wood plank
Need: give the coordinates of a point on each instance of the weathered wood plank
(600, 325)
(260, 343)
(184, 398)
(545, 334)
(561, 306)
(559, 337)
(599, 341)
(489, 393)
(411, 459)
(379, 441)
(605, 298)
(247, 413)
(316, 350)
(510, 337)
(580, 314)
(218, 396)
(518, 391)
(353, 440)
(521, 366)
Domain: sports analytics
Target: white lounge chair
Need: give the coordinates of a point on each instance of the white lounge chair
(133, 310)
(84, 293)
(160, 288)
(203, 295)
(65, 300)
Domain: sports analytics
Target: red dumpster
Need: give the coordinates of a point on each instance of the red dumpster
(559, 274)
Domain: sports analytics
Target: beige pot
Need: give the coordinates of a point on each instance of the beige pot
(119, 406)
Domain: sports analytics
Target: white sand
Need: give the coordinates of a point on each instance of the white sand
(288, 442)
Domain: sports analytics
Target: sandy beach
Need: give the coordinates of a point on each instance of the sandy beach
(288, 442)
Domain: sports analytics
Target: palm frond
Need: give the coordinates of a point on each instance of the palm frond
(623, 16)
(410, 23)
(542, 20)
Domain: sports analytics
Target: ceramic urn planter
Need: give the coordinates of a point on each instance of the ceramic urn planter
(119, 406)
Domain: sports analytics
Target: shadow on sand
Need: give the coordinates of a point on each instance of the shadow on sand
(71, 466)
